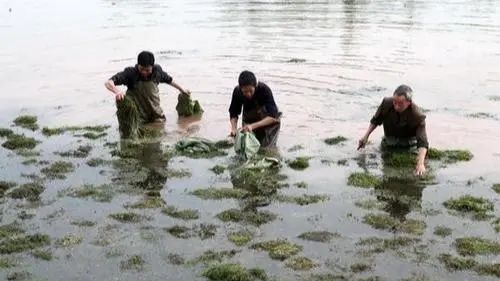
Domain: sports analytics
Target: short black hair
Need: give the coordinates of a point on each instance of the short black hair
(405, 91)
(146, 58)
(247, 78)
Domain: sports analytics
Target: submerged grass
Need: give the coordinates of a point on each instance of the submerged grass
(496, 188)
(256, 218)
(449, 156)
(301, 263)
(220, 193)
(279, 249)
(29, 191)
(210, 256)
(300, 163)
(58, 170)
(27, 122)
(477, 206)
(69, 240)
(471, 246)
(335, 140)
(318, 236)
(149, 202)
(234, 272)
(188, 214)
(386, 222)
(456, 263)
(134, 262)
(17, 142)
(4, 132)
(101, 193)
(127, 217)
(218, 169)
(203, 231)
(45, 255)
(302, 200)
(363, 180)
(81, 152)
(7, 262)
(240, 238)
(17, 244)
(442, 231)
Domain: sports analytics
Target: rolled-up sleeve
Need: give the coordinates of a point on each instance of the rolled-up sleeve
(236, 104)
(421, 134)
(378, 117)
(163, 76)
(123, 77)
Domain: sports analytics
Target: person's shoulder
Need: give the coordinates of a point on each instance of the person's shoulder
(157, 67)
(417, 112)
(236, 90)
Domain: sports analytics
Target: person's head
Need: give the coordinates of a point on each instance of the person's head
(247, 83)
(145, 63)
(402, 98)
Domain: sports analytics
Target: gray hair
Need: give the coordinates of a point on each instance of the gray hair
(405, 91)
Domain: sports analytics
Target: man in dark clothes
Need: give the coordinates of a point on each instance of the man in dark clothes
(404, 125)
(142, 86)
(260, 113)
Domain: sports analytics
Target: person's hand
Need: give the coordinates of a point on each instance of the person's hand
(247, 128)
(362, 142)
(186, 92)
(420, 170)
(119, 96)
(232, 133)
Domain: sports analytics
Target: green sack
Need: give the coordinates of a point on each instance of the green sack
(186, 106)
(246, 145)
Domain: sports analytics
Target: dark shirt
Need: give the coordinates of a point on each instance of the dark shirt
(131, 75)
(407, 124)
(263, 97)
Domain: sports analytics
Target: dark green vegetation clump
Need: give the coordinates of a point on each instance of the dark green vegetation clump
(449, 156)
(17, 244)
(380, 245)
(247, 216)
(496, 225)
(363, 179)
(302, 200)
(300, 163)
(4, 132)
(471, 246)
(175, 259)
(97, 130)
(203, 231)
(127, 217)
(69, 240)
(95, 162)
(488, 269)
(318, 236)
(81, 152)
(360, 267)
(279, 249)
(30, 191)
(386, 222)
(94, 136)
(45, 255)
(58, 170)
(220, 193)
(186, 106)
(301, 263)
(135, 262)
(211, 256)
(83, 223)
(27, 122)
(335, 140)
(442, 231)
(7, 262)
(234, 272)
(101, 193)
(187, 214)
(224, 144)
(5, 185)
(478, 207)
(496, 188)
(149, 202)
(218, 169)
(240, 238)
(457, 263)
(300, 184)
(400, 159)
(17, 142)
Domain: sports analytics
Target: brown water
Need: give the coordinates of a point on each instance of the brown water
(56, 55)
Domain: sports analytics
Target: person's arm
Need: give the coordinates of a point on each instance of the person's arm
(234, 126)
(166, 78)
(423, 146)
(262, 123)
(118, 79)
(376, 120)
(178, 87)
(364, 140)
(234, 111)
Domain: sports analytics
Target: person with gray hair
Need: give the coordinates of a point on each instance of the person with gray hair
(404, 125)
